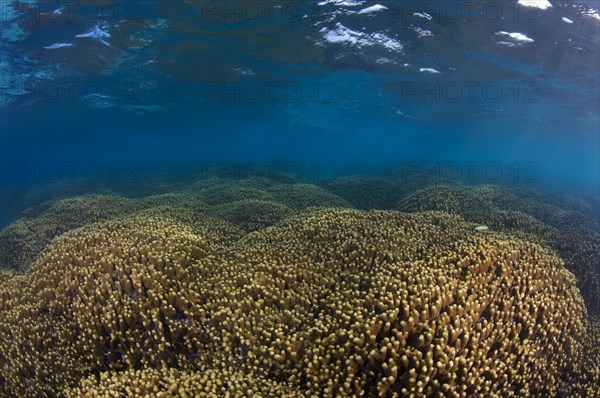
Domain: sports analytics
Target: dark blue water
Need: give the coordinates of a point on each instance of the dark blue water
(159, 82)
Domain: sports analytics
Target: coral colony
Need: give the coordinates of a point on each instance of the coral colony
(260, 288)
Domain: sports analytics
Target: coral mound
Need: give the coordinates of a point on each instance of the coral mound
(566, 225)
(333, 303)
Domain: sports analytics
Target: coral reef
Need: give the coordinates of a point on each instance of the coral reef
(14, 199)
(303, 196)
(332, 302)
(589, 380)
(6, 275)
(529, 215)
(365, 192)
(218, 190)
(21, 241)
(252, 215)
(249, 204)
(453, 199)
(579, 247)
(183, 290)
(113, 297)
(228, 194)
(169, 382)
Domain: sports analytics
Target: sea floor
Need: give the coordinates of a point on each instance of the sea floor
(274, 285)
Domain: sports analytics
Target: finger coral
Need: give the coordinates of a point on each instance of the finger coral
(246, 203)
(330, 303)
(303, 196)
(234, 193)
(252, 215)
(169, 382)
(365, 192)
(111, 298)
(21, 242)
(567, 226)
(25, 238)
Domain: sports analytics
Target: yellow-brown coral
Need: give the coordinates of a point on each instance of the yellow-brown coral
(333, 303)
(530, 215)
